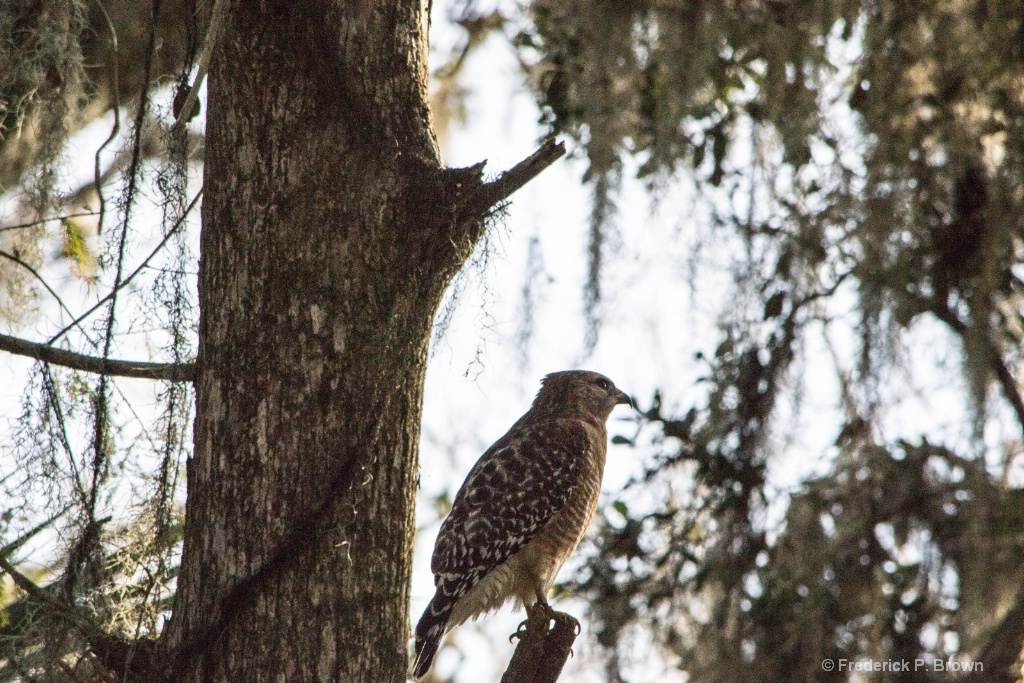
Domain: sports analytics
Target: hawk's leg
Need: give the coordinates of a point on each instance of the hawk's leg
(546, 640)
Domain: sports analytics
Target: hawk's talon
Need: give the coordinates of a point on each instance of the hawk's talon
(520, 631)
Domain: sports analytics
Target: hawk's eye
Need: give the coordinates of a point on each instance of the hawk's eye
(603, 383)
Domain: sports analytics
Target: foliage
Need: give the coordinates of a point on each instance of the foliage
(866, 152)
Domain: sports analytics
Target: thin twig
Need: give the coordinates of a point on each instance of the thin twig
(100, 443)
(124, 283)
(116, 106)
(216, 19)
(53, 404)
(15, 259)
(42, 221)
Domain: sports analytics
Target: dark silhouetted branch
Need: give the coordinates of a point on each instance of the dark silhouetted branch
(27, 536)
(45, 597)
(115, 82)
(173, 372)
(187, 109)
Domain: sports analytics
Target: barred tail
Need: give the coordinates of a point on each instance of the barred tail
(429, 632)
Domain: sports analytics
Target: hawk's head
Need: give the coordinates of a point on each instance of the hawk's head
(580, 391)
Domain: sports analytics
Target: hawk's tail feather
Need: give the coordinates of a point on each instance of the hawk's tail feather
(429, 631)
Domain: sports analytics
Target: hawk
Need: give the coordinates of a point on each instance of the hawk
(522, 509)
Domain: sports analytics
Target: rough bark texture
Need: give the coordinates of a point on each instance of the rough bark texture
(329, 235)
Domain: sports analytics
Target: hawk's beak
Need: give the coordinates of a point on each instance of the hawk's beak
(623, 397)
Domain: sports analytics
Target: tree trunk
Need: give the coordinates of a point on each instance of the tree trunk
(325, 250)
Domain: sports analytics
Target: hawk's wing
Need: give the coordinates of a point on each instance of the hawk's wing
(515, 488)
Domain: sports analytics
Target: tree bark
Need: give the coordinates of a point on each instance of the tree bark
(329, 236)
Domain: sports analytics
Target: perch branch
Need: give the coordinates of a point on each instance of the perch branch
(173, 372)
(543, 649)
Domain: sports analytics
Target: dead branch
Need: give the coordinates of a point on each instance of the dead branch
(507, 183)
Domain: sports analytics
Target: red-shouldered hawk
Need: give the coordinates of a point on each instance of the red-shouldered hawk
(522, 509)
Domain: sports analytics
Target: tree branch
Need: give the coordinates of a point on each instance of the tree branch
(468, 200)
(115, 82)
(506, 184)
(28, 535)
(543, 649)
(43, 221)
(173, 372)
(45, 597)
(14, 258)
(184, 113)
